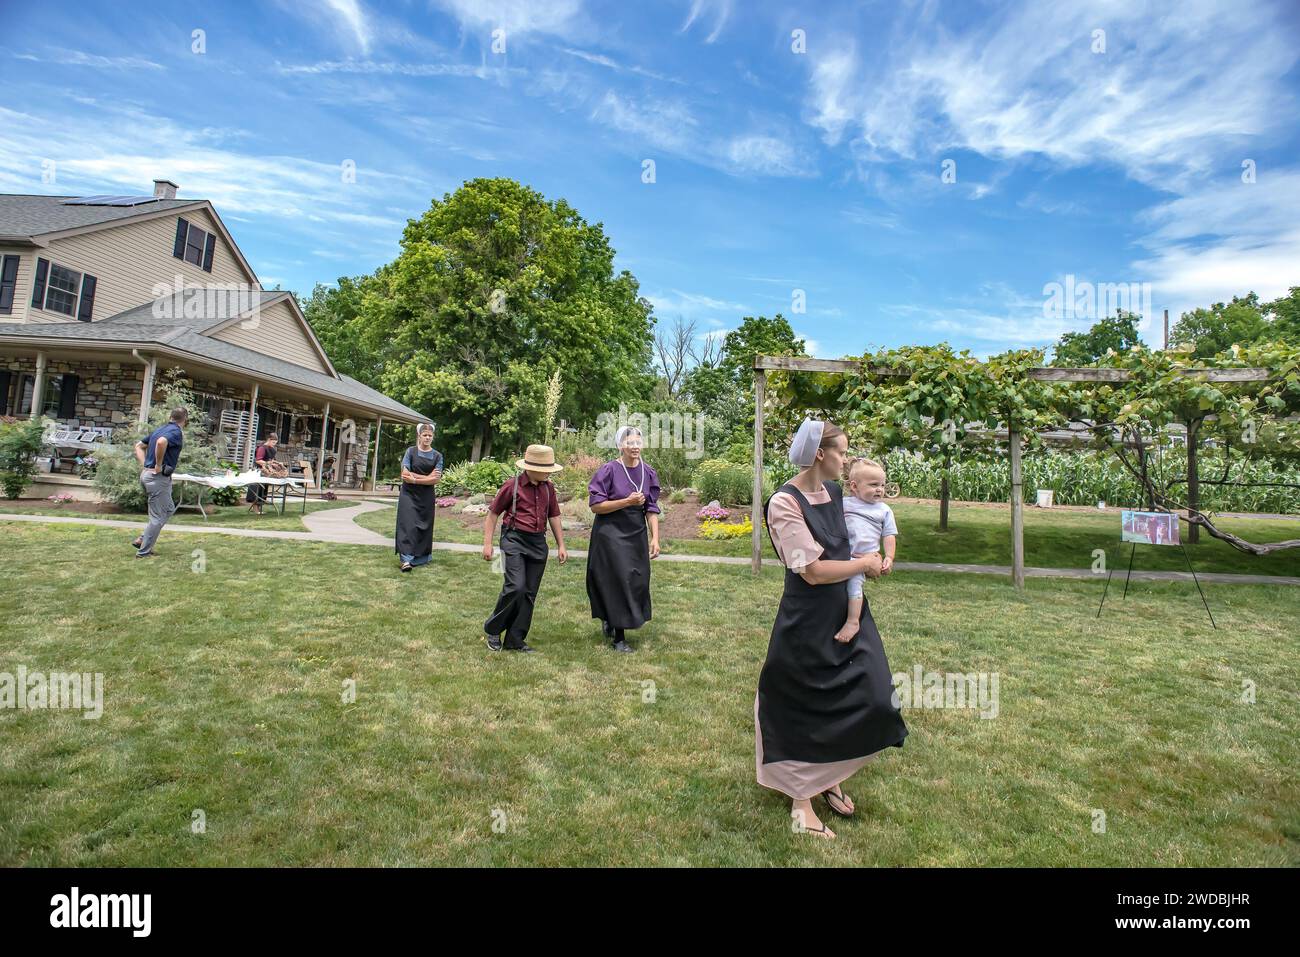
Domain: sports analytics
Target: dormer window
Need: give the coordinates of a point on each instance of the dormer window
(194, 245)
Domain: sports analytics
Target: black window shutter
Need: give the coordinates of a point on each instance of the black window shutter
(38, 284)
(5, 379)
(8, 281)
(87, 298)
(182, 230)
(207, 252)
(68, 396)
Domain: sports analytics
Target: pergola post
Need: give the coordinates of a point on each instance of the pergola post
(756, 507)
(1017, 512)
(320, 461)
(374, 465)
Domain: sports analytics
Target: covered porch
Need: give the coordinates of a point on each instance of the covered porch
(102, 393)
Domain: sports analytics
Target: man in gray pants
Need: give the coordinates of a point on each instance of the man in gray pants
(157, 456)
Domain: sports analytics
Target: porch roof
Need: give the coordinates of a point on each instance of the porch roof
(178, 339)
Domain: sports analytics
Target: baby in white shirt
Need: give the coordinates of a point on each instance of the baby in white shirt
(871, 529)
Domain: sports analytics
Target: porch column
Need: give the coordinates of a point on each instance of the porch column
(374, 465)
(320, 460)
(146, 391)
(246, 460)
(38, 387)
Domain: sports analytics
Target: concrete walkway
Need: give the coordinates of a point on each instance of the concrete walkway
(337, 526)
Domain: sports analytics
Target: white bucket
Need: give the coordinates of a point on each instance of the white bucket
(1045, 498)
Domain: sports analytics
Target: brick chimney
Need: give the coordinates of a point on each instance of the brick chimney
(164, 189)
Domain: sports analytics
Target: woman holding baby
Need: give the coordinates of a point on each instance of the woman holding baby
(825, 702)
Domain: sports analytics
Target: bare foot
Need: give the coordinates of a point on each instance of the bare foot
(804, 820)
(847, 632)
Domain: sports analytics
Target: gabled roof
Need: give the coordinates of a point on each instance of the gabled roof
(35, 220)
(31, 216)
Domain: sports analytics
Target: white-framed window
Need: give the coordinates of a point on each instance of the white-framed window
(62, 290)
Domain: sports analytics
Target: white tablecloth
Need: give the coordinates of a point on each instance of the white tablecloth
(227, 480)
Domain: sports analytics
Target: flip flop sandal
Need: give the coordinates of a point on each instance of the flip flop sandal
(819, 830)
(833, 798)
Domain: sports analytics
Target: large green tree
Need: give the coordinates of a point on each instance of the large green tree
(1118, 333)
(495, 288)
(1220, 327)
(757, 336)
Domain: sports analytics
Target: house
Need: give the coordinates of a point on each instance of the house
(102, 295)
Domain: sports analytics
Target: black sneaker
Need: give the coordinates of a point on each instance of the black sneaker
(144, 555)
(525, 647)
(407, 566)
(137, 543)
(494, 642)
(623, 646)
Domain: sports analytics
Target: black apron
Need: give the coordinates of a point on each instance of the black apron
(618, 568)
(415, 510)
(821, 700)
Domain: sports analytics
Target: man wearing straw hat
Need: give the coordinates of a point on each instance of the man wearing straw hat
(530, 504)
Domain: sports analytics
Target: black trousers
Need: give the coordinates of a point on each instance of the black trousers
(523, 556)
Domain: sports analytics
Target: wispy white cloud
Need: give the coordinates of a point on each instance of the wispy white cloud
(517, 17)
(719, 10)
(94, 60)
(672, 126)
(352, 18)
(599, 59)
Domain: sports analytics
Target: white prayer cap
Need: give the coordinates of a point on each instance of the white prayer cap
(623, 433)
(803, 448)
(424, 427)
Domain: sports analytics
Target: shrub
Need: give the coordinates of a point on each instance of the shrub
(720, 531)
(485, 475)
(728, 482)
(117, 474)
(715, 512)
(20, 444)
(62, 498)
(678, 496)
(446, 501)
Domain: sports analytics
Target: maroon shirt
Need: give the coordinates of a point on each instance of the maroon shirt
(537, 503)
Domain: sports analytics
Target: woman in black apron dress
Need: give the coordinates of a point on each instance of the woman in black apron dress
(823, 707)
(624, 496)
(416, 506)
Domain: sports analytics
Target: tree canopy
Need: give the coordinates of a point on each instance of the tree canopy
(495, 288)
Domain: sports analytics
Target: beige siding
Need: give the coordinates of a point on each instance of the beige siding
(278, 333)
(128, 261)
(23, 292)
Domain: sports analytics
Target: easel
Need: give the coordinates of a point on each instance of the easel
(1186, 558)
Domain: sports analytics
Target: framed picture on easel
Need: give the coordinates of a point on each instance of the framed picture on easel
(1149, 528)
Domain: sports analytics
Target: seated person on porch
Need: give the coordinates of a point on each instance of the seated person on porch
(264, 461)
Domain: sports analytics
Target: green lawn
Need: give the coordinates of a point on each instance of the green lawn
(225, 515)
(223, 693)
(982, 535)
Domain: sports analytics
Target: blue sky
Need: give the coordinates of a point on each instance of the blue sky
(775, 170)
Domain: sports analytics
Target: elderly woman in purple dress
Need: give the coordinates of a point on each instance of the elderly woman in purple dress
(624, 496)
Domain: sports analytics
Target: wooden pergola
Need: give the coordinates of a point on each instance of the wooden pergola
(1043, 373)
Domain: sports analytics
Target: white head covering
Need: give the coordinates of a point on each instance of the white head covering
(623, 433)
(803, 447)
(424, 427)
